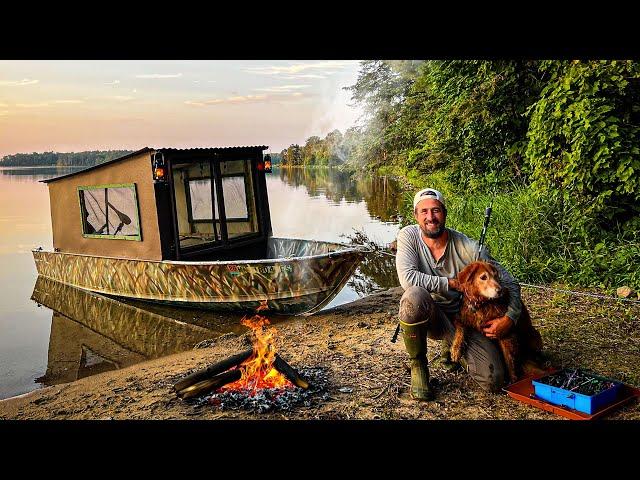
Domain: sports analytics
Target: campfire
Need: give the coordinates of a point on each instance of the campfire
(251, 372)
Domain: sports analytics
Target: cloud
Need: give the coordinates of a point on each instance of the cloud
(228, 100)
(302, 76)
(3, 113)
(159, 75)
(68, 101)
(247, 99)
(282, 88)
(326, 68)
(18, 83)
(115, 82)
(3, 105)
(32, 105)
(120, 98)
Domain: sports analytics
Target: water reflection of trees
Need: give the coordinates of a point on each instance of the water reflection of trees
(382, 195)
(378, 269)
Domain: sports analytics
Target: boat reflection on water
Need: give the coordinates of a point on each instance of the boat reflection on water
(91, 333)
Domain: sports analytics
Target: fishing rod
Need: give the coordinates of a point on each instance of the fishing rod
(487, 218)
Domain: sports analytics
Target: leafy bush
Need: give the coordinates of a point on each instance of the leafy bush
(583, 137)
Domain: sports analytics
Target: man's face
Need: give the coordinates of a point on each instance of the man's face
(430, 215)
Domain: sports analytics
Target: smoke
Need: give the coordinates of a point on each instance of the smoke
(335, 109)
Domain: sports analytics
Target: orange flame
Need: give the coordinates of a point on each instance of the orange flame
(257, 370)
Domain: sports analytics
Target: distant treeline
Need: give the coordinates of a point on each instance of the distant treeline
(332, 150)
(276, 158)
(81, 159)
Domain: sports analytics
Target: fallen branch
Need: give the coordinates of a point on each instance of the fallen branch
(212, 370)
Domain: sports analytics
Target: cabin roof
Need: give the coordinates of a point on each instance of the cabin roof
(252, 148)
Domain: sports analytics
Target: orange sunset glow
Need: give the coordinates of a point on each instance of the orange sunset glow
(72, 106)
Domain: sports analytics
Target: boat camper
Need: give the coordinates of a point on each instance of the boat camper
(186, 226)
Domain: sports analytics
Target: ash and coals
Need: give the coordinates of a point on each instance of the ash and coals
(273, 399)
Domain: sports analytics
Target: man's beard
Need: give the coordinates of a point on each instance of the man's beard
(433, 233)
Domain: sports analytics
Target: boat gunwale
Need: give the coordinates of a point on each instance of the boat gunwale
(348, 249)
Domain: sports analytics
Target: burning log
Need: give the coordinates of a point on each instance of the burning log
(289, 372)
(210, 384)
(201, 375)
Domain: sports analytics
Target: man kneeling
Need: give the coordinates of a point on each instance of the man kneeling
(429, 256)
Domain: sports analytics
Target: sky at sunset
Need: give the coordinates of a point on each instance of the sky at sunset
(68, 106)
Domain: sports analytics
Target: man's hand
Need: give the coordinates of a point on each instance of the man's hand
(498, 327)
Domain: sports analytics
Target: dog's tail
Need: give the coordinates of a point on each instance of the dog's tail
(531, 368)
(535, 340)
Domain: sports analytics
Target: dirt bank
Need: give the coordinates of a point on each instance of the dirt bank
(366, 373)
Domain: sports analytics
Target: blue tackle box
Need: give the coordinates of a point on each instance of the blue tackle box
(577, 401)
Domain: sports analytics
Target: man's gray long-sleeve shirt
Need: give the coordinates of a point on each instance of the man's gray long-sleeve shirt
(417, 267)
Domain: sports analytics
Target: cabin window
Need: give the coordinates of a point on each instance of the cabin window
(197, 219)
(110, 211)
(202, 189)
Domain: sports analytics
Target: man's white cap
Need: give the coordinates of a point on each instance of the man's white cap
(426, 194)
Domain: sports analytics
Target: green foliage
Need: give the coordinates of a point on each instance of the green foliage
(583, 137)
(540, 237)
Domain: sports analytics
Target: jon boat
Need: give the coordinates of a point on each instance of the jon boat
(188, 227)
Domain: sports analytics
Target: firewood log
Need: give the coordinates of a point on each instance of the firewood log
(289, 372)
(210, 384)
(212, 370)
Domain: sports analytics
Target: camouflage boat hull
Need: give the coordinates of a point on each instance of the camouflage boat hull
(299, 277)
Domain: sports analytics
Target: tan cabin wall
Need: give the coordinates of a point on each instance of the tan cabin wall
(66, 218)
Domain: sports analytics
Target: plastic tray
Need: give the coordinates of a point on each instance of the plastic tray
(523, 391)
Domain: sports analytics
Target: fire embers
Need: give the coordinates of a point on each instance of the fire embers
(257, 379)
(272, 399)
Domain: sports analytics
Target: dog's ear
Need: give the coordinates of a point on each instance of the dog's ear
(467, 274)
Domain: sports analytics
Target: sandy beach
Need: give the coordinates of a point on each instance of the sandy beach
(367, 375)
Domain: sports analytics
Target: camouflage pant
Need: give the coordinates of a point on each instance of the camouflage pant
(482, 355)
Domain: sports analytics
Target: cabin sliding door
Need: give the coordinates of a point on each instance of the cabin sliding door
(195, 195)
(238, 194)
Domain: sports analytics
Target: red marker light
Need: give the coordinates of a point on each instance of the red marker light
(260, 166)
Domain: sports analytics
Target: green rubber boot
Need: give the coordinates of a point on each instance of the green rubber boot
(415, 342)
(444, 359)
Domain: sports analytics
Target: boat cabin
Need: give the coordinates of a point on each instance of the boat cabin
(166, 204)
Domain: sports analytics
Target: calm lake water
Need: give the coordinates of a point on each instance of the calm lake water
(83, 334)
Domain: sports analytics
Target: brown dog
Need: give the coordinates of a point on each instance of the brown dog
(485, 299)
